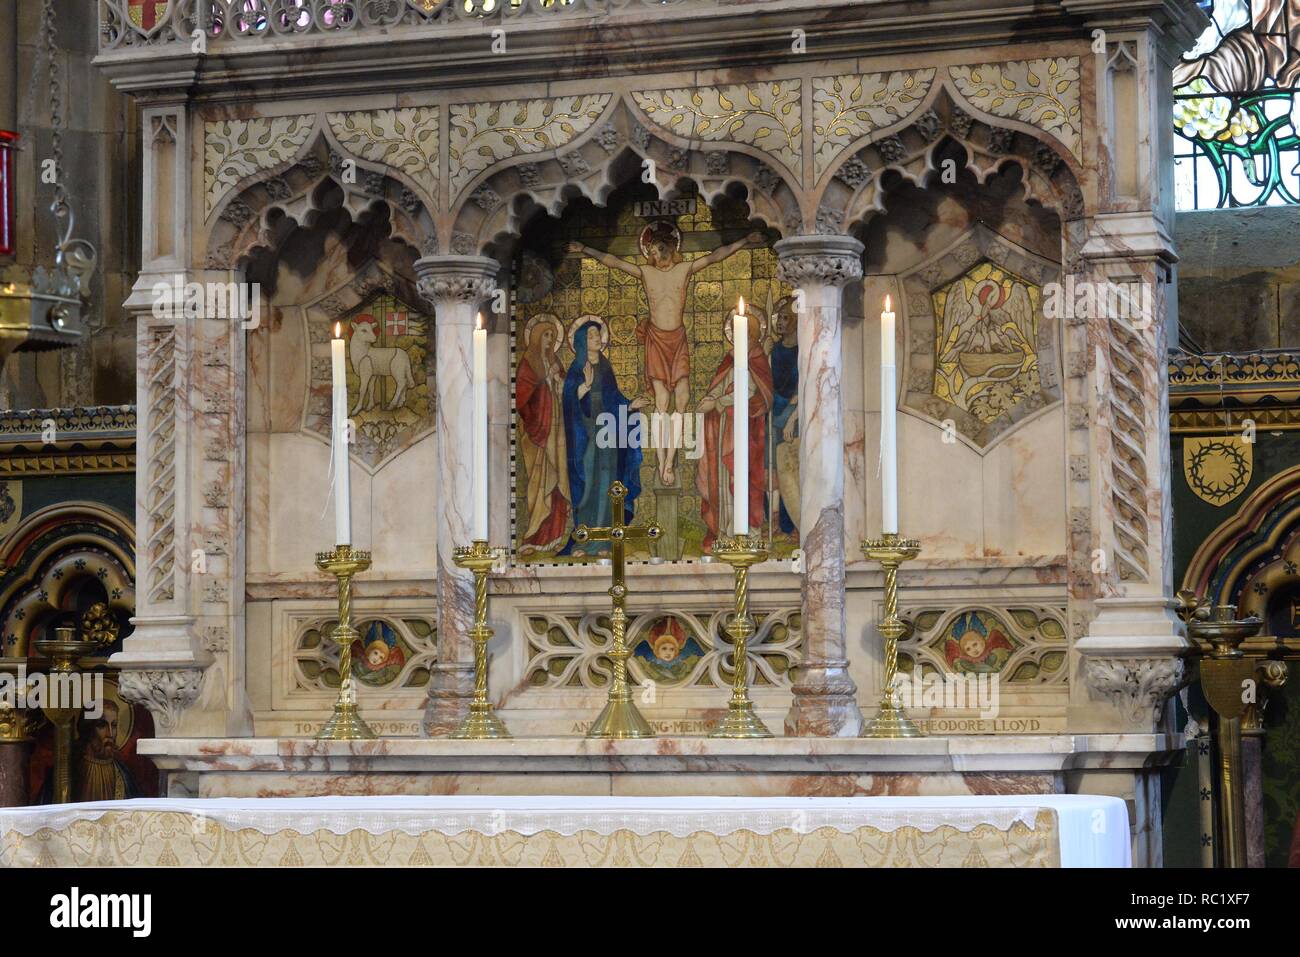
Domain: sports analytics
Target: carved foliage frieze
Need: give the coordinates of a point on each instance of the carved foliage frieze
(1044, 93)
(235, 149)
(405, 139)
(483, 134)
(768, 116)
(848, 107)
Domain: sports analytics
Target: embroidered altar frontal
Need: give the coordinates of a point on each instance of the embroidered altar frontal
(1029, 831)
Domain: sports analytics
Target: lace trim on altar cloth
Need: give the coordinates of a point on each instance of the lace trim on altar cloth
(567, 816)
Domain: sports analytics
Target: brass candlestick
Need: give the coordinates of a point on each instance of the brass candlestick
(345, 724)
(482, 720)
(65, 653)
(891, 551)
(1225, 671)
(741, 553)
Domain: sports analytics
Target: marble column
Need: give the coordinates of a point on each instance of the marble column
(184, 659)
(818, 267)
(1130, 654)
(457, 287)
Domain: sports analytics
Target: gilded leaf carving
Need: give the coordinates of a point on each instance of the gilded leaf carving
(1043, 93)
(851, 106)
(484, 134)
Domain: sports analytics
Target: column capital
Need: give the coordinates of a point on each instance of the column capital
(445, 280)
(819, 260)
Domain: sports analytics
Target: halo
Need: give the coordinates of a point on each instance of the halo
(543, 319)
(582, 321)
(750, 310)
(125, 712)
(659, 226)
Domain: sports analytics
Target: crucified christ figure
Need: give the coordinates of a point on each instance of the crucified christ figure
(667, 278)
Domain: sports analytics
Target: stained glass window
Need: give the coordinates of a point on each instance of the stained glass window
(1235, 110)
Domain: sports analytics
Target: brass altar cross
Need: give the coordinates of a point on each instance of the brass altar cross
(620, 717)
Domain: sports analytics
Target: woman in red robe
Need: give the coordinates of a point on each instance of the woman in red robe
(542, 451)
(714, 471)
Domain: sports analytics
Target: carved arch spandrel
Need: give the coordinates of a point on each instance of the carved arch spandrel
(495, 210)
(271, 204)
(1052, 178)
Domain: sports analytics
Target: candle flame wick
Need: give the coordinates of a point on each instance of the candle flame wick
(741, 310)
(478, 320)
(338, 330)
(888, 304)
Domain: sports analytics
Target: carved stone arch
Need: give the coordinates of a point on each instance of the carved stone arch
(1257, 546)
(272, 203)
(50, 556)
(1052, 176)
(494, 211)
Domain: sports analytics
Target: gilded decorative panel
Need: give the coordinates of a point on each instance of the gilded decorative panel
(980, 352)
(850, 106)
(483, 134)
(679, 649)
(623, 362)
(390, 652)
(987, 326)
(1043, 93)
(390, 369)
(405, 139)
(1218, 468)
(768, 116)
(1021, 644)
(235, 149)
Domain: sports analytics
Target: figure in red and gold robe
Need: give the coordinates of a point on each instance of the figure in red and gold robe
(539, 386)
(713, 476)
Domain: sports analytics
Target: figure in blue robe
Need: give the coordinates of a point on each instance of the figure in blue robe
(785, 384)
(593, 469)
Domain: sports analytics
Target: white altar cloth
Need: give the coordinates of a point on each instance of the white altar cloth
(1086, 830)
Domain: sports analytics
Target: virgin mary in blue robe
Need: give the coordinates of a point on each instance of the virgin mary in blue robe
(593, 469)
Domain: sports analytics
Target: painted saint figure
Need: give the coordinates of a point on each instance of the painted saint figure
(590, 392)
(543, 451)
(785, 415)
(666, 279)
(713, 479)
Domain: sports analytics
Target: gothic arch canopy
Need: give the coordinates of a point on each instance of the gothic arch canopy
(621, 143)
(261, 208)
(1052, 174)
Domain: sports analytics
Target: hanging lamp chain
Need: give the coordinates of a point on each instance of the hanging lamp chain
(76, 256)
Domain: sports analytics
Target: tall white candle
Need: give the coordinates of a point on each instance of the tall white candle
(740, 423)
(888, 422)
(480, 432)
(339, 440)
